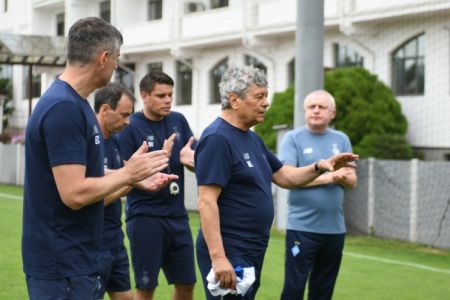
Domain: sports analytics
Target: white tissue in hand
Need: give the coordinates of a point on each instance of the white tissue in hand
(241, 287)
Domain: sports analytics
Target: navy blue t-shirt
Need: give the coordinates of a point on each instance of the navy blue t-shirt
(242, 165)
(57, 241)
(112, 228)
(161, 203)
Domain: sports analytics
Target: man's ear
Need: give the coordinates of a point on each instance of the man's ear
(233, 99)
(333, 114)
(102, 57)
(104, 108)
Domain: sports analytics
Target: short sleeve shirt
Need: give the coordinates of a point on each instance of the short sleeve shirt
(59, 242)
(315, 209)
(161, 203)
(242, 165)
(112, 230)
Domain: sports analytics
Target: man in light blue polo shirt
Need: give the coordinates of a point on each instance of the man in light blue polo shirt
(315, 226)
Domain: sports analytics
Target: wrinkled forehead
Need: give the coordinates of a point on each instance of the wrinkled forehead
(255, 89)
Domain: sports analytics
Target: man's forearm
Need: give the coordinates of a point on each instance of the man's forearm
(210, 224)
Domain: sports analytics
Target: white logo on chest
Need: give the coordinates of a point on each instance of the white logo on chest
(247, 159)
(308, 150)
(150, 141)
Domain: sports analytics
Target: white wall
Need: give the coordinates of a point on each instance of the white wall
(209, 36)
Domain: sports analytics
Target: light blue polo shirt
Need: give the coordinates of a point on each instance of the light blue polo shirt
(315, 209)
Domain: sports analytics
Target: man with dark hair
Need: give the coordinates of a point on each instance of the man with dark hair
(113, 106)
(64, 176)
(157, 223)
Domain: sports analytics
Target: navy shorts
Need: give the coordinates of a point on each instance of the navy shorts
(161, 243)
(204, 264)
(71, 288)
(115, 271)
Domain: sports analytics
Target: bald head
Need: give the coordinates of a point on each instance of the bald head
(321, 94)
(320, 110)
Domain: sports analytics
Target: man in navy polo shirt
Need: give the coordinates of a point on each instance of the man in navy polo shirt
(157, 223)
(64, 174)
(234, 171)
(113, 106)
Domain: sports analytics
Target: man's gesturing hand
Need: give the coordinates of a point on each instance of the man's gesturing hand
(143, 164)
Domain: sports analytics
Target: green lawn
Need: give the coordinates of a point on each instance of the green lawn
(372, 268)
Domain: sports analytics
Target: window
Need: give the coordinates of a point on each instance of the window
(215, 76)
(291, 71)
(184, 83)
(219, 3)
(125, 75)
(154, 66)
(192, 7)
(408, 63)
(250, 60)
(345, 56)
(60, 24)
(36, 84)
(154, 9)
(105, 11)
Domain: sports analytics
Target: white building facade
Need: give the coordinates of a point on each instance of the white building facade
(406, 43)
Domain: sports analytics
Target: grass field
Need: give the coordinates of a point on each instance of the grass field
(372, 269)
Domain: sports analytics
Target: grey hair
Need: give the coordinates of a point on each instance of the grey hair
(88, 36)
(238, 80)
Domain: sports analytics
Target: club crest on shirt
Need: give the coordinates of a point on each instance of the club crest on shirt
(96, 135)
(247, 159)
(335, 149)
(150, 141)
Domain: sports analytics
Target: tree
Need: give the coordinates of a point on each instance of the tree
(6, 94)
(367, 112)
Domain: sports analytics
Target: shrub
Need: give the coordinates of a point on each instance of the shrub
(367, 112)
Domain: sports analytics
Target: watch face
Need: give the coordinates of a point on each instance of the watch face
(317, 169)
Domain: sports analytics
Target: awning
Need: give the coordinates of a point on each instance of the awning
(32, 50)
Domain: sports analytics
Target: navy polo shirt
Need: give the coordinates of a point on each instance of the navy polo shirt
(242, 165)
(112, 230)
(59, 242)
(160, 203)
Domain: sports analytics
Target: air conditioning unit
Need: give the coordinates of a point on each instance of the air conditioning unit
(191, 7)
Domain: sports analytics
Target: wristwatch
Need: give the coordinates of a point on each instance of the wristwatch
(317, 169)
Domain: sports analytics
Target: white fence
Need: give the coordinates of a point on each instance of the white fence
(405, 200)
(12, 163)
